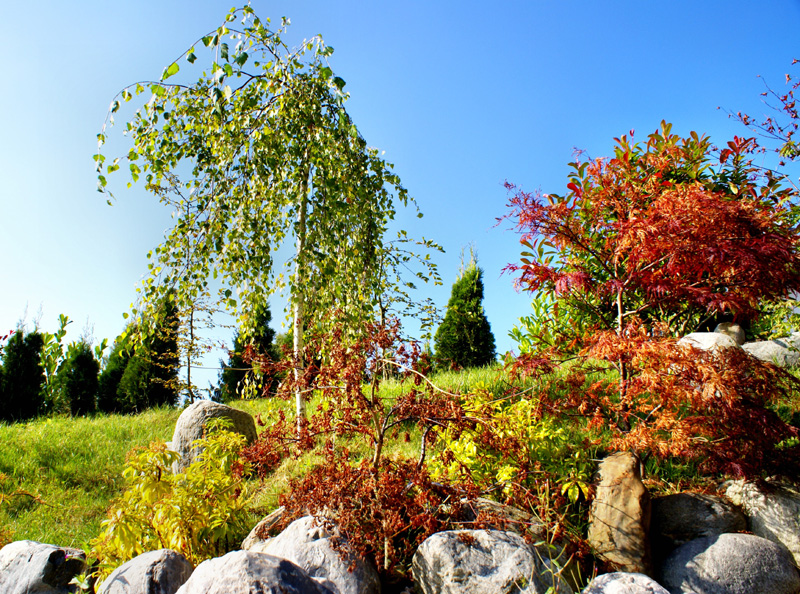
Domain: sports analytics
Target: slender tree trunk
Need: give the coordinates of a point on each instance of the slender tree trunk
(298, 310)
(189, 356)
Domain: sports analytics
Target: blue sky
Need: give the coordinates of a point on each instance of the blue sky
(461, 96)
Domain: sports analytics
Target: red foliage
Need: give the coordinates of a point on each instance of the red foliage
(712, 407)
(656, 227)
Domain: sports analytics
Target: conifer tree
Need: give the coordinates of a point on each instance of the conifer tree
(465, 339)
(80, 379)
(236, 369)
(23, 377)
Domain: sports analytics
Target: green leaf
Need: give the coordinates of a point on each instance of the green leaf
(171, 70)
(191, 58)
(339, 82)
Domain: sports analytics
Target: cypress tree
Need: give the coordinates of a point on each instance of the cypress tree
(108, 400)
(464, 339)
(235, 370)
(23, 377)
(80, 379)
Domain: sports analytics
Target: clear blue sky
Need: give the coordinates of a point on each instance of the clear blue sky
(461, 95)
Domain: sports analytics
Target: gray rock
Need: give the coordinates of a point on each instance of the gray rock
(307, 542)
(480, 561)
(193, 420)
(154, 572)
(733, 330)
(783, 352)
(730, 564)
(246, 572)
(619, 518)
(28, 567)
(260, 532)
(677, 519)
(772, 513)
(624, 583)
(708, 341)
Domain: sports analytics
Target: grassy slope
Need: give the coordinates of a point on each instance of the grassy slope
(69, 470)
(60, 474)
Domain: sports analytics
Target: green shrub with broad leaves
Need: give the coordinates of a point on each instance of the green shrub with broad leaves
(202, 512)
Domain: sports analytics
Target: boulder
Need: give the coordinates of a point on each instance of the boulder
(479, 561)
(708, 341)
(154, 572)
(772, 512)
(783, 352)
(310, 544)
(624, 583)
(260, 532)
(679, 518)
(28, 567)
(619, 518)
(246, 572)
(193, 420)
(730, 564)
(733, 330)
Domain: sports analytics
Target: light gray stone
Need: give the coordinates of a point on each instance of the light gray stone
(308, 542)
(772, 513)
(29, 567)
(679, 518)
(733, 330)
(730, 564)
(708, 341)
(193, 420)
(481, 561)
(624, 583)
(783, 352)
(155, 572)
(619, 518)
(246, 572)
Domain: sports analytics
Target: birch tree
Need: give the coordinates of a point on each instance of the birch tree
(258, 152)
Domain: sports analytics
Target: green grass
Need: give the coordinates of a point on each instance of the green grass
(59, 474)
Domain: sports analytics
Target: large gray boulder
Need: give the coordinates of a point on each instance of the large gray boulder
(679, 518)
(246, 572)
(708, 341)
(624, 583)
(309, 543)
(772, 512)
(730, 564)
(480, 561)
(619, 518)
(193, 420)
(29, 567)
(783, 352)
(155, 572)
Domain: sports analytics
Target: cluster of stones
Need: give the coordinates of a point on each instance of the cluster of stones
(691, 542)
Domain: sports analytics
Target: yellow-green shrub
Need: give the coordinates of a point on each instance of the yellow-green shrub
(201, 512)
(512, 443)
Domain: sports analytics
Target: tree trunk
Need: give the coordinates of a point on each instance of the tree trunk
(298, 311)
